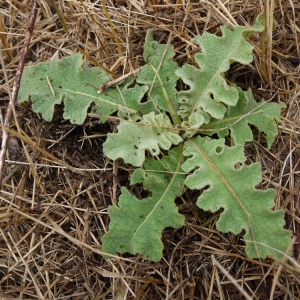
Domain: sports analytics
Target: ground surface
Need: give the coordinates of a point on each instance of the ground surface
(52, 219)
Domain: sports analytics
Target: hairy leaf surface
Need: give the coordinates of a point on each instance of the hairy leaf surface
(231, 184)
(136, 225)
(208, 93)
(263, 115)
(70, 80)
(133, 139)
(159, 74)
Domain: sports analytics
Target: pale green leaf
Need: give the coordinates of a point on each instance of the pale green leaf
(208, 90)
(159, 74)
(230, 184)
(133, 139)
(71, 82)
(247, 112)
(125, 99)
(136, 225)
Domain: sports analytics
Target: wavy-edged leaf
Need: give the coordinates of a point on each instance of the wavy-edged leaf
(230, 184)
(71, 81)
(161, 69)
(126, 100)
(133, 139)
(136, 225)
(237, 119)
(208, 91)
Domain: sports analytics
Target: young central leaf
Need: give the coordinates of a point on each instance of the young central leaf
(136, 225)
(231, 185)
(133, 139)
(209, 94)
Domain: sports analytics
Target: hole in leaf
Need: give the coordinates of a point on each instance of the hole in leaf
(180, 86)
(237, 166)
(144, 99)
(140, 191)
(219, 149)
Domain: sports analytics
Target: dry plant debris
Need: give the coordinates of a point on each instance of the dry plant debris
(52, 217)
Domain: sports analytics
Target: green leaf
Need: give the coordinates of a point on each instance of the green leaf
(263, 115)
(133, 139)
(71, 82)
(136, 225)
(230, 184)
(209, 94)
(126, 100)
(160, 69)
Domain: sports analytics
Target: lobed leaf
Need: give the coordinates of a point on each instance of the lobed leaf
(133, 139)
(237, 119)
(231, 184)
(71, 82)
(208, 93)
(159, 74)
(136, 225)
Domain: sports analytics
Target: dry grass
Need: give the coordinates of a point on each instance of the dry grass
(51, 219)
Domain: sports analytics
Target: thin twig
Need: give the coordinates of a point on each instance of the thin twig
(230, 277)
(115, 184)
(15, 89)
(104, 86)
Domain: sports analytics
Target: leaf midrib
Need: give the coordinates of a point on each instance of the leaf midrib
(163, 195)
(212, 80)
